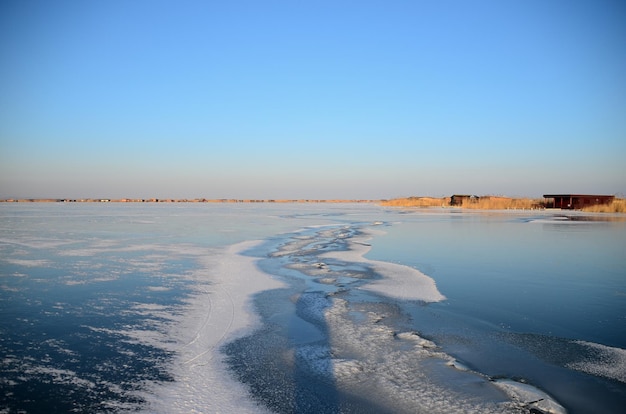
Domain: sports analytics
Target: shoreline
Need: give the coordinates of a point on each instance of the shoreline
(487, 203)
(180, 200)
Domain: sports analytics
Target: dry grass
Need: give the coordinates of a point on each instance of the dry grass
(617, 206)
(498, 203)
(417, 202)
(502, 203)
(483, 203)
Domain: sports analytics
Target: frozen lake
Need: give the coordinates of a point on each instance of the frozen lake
(177, 308)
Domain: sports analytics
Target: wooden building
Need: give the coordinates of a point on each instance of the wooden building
(576, 201)
(458, 199)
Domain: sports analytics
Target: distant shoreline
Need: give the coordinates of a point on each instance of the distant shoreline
(467, 202)
(172, 200)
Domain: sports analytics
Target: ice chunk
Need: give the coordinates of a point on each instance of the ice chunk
(531, 397)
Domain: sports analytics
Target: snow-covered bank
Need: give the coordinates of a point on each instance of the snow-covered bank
(221, 311)
(398, 281)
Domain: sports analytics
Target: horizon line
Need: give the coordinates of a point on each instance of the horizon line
(245, 200)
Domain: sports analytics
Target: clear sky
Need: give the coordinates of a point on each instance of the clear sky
(311, 99)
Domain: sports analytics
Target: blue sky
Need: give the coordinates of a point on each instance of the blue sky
(311, 99)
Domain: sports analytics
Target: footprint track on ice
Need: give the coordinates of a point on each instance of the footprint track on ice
(225, 330)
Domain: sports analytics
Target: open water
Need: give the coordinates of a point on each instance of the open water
(116, 308)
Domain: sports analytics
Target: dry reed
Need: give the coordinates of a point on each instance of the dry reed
(482, 203)
(417, 202)
(618, 205)
(502, 203)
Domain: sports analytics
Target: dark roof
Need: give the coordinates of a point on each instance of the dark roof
(576, 195)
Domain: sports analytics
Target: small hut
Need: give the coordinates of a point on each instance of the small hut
(576, 201)
(458, 199)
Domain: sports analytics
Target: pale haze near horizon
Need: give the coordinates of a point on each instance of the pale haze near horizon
(326, 99)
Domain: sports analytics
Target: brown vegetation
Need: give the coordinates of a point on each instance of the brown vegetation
(478, 203)
(417, 202)
(618, 205)
(503, 203)
(498, 203)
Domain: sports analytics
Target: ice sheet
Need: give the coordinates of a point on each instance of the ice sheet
(219, 311)
(609, 362)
